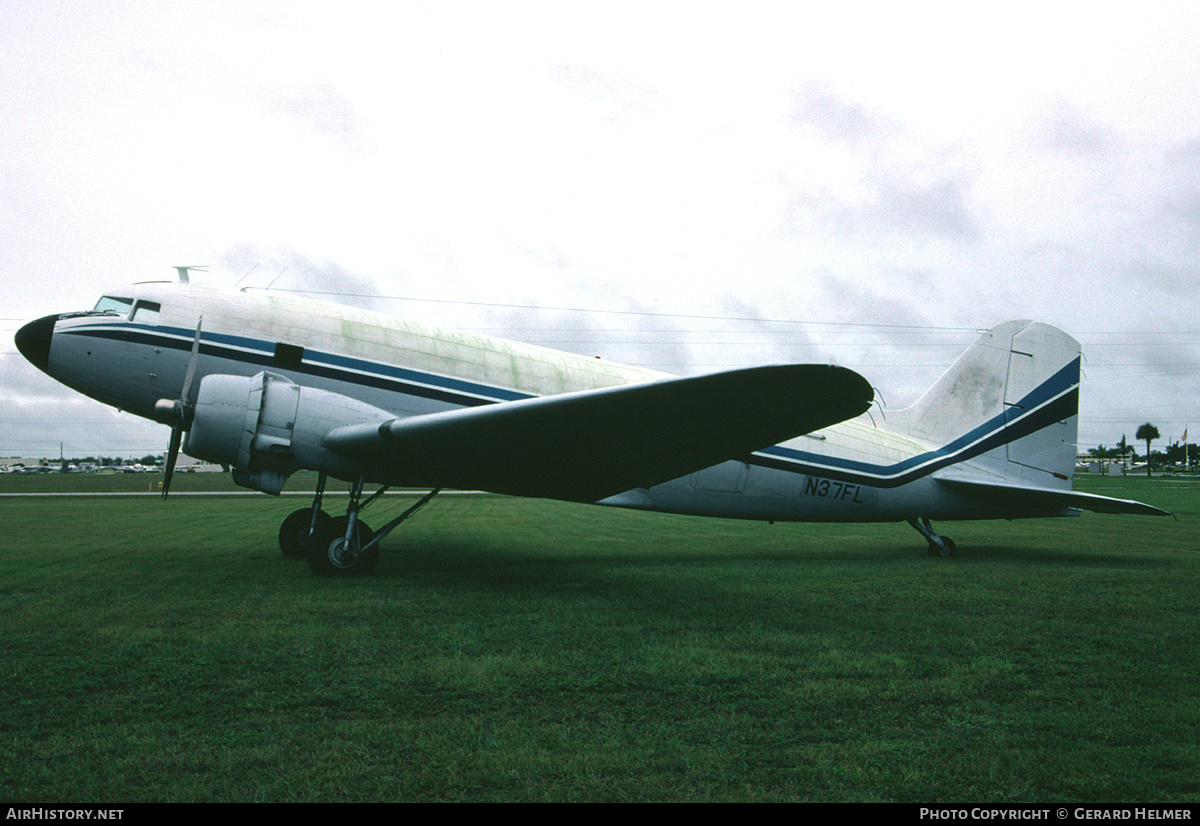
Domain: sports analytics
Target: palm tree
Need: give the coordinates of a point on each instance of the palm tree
(1147, 433)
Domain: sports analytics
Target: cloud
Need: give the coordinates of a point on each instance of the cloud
(886, 170)
(611, 93)
(936, 203)
(838, 120)
(879, 180)
(321, 108)
(890, 202)
(1064, 127)
(1181, 201)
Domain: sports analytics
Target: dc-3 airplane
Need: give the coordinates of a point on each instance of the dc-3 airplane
(269, 385)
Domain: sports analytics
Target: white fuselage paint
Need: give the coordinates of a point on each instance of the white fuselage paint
(855, 471)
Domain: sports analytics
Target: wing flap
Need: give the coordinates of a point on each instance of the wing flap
(1024, 496)
(588, 445)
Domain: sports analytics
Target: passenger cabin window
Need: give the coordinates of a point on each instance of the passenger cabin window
(146, 312)
(116, 306)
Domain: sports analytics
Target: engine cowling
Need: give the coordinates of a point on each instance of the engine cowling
(267, 427)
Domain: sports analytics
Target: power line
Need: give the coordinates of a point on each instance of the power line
(618, 312)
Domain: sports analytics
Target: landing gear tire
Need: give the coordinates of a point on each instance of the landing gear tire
(293, 533)
(330, 555)
(949, 550)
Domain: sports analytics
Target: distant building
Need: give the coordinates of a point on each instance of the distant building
(187, 464)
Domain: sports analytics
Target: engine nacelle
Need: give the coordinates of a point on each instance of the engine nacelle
(267, 427)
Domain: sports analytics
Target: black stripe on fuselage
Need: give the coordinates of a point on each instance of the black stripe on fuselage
(879, 476)
(267, 360)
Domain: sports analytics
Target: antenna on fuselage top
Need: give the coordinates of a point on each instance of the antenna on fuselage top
(183, 272)
(276, 278)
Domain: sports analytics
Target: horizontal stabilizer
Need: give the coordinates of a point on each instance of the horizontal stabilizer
(1026, 498)
(589, 445)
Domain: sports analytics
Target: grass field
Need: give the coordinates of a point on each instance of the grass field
(515, 650)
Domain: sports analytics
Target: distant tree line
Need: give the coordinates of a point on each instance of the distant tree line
(1177, 454)
(104, 461)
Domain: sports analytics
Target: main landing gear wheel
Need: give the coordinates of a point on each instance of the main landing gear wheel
(330, 554)
(294, 532)
(327, 548)
(947, 549)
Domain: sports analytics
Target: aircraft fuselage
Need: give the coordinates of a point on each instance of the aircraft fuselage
(138, 352)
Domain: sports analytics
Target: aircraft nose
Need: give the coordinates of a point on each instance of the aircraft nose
(33, 340)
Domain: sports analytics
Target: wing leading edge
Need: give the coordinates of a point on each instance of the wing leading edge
(589, 445)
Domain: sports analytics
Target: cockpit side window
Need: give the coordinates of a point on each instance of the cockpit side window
(111, 304)
(146, 312)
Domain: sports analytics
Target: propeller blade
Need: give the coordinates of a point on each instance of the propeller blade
(172, 456)
(191, 368)
(179, 412)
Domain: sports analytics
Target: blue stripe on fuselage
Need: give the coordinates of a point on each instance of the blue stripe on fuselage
(326, 365)
(1054, 400)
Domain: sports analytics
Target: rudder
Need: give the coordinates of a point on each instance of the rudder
(1014, 391)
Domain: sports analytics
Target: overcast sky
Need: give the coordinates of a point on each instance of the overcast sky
(689, 186)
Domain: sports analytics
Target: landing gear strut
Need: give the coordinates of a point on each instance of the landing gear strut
(942, 546)
(301, 526)
(345, 546)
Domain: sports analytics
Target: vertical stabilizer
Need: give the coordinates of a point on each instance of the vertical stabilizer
(1012, 400)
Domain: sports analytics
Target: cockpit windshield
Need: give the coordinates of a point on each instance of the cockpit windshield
(115, 306)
